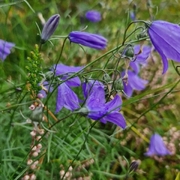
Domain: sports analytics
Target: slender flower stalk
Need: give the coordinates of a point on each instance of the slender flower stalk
(49, 27)
(165, 37)
(93, 16)
(88, 39)
(5, 49)
(157, 146)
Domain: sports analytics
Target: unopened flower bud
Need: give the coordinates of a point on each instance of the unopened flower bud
(129, 52)
(34, 148)
(39, 146)
(88, 39)
(36, 162)
(133, 166)
(40, 96)
(32, 107)
(29, 161)
(118, 85)
(38, 138)
(49, 27)
(106, 77)
(35, 154)
(142, 35)
(33, 166)
(93, 16)
(33, 133)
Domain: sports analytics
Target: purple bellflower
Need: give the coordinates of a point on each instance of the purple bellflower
(49, 27)
(132, 15)
(66, 98)
(134, 83)
(93, 16)
(65, 95)
(165, 37)
(141, 55)
(157, 146)
(88, 39)
(98, 109)
(5, 49)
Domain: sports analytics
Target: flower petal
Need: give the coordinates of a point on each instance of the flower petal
(165, 38)
(115, 118)
(114, 105)
(66, 98)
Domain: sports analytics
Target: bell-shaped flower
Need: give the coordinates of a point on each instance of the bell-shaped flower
(88, 39)
(93, 16)
(165, 37)
(157, 146)
(65, 95)
(49, 27)
(66, 98)
(5, 49)
(98, 109)
(134, 82)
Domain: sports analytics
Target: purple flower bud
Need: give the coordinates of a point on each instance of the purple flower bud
(134, 166)
(88, 39)
(157, 146)
(132, 15)
(93, 16)
(5, 48)
(49, 27)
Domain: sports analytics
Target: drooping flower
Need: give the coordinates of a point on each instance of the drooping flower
(49, 27)
(5, 49)
(88, 39)
(134, 82)
(65, 95)
(141, 54)
(67, 98)
(165, 37)
(157, 146)
(93, 16)
(97, 108)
